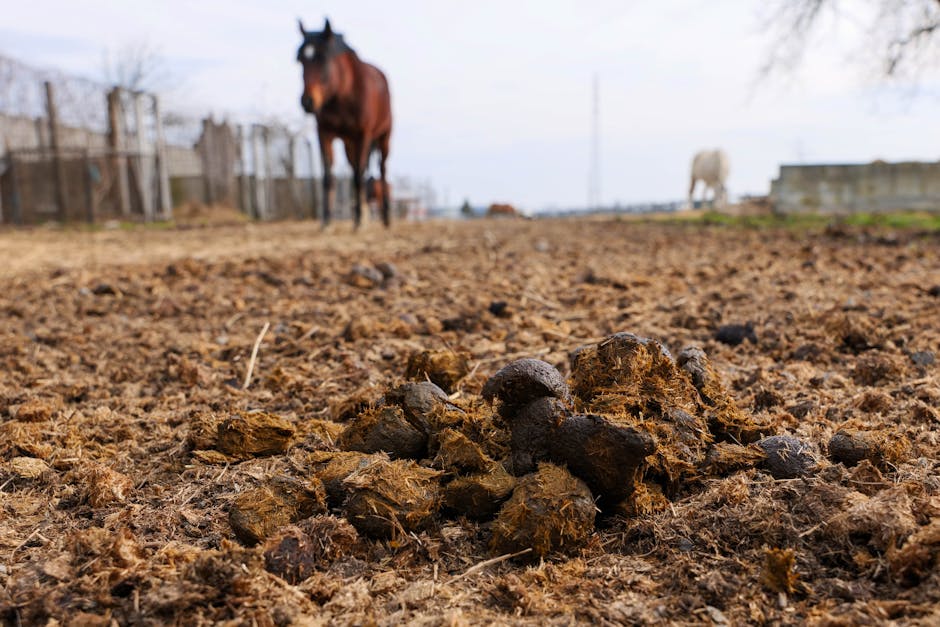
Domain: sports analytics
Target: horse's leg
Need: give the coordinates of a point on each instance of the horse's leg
(386, 201)
(357, 151)
(691, 194)
(329, 192)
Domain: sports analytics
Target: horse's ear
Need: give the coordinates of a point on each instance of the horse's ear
(327, 29)
(301, 25)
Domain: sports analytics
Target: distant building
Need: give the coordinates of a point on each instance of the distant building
(858, 188)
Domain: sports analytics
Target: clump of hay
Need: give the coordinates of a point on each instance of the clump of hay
(724, 458)
(34, 410)
(550, 510)
(422, 403)
(853, 332)
(878, 521)
(319, 433)
(851, 446)
(258, 513)
(362, 328)
(298, 551)
(332, 468)
(873, 368)
(916, 558)
(391, 497)
(203, 431)
(459, 454)
(645, 499)
(254, 434)
(725, 419)
(99, 485)
(445, 368)
(778, 573)
(384, 429)
(26, 468)
(636, 382)
(479, 495)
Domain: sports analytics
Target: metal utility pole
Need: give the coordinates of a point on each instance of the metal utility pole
(594, 168)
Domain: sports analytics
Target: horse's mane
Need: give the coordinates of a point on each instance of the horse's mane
(337, 45)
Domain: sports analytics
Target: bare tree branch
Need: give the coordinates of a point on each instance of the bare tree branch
(903, 36)
(137, 66)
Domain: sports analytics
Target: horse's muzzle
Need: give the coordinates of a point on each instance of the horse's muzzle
(307, 103)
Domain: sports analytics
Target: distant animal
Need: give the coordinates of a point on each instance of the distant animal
(711, 167)
(502, 209)
(351, 101)
(374, 193)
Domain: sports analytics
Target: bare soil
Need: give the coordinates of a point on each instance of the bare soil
(121, 351)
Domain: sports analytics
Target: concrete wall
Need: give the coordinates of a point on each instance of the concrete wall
(871, 187)
(18, 132)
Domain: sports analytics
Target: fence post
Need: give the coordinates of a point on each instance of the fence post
(260, 208)
(55, 142)
(269, 197)
(163, 172)
(89, 187)
(40, 132)
(206, 154)
(291, 167)
(243, 183)
(116, 143)
(314, 188)
(144, 169)
(15, 193)
(3, 160)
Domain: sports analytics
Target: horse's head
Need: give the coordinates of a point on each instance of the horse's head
(318, 55)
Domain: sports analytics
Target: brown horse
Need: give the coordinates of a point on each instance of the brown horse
(351, 101)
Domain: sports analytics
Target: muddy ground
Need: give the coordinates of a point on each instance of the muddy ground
(118, 347)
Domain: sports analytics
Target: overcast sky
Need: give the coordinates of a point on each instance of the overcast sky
(492, 99)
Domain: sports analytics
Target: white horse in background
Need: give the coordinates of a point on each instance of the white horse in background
(711, 167)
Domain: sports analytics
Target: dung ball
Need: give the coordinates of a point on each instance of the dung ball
(550, 510)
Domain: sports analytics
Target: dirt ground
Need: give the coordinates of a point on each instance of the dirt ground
(119, 347)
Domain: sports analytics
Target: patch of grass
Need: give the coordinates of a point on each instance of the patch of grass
(915, 220)
(114, 225)
(791, 221)
(159, 225)
(923, 220)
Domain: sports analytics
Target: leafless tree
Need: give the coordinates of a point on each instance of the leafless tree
(137, 66)
(900, 37)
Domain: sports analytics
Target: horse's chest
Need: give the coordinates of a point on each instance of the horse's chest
(341, 121)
